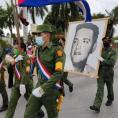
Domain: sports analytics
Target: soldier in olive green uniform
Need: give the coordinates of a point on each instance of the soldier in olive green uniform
(23, 84)
(106, 74)
(60, 40)
(2, 84)
(51, 60)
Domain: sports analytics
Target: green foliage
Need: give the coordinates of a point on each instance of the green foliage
(99, 15)
(2, 17)
(6, 17)
(1, 32)
(37, 11)
(112, 21)
(4, 44)
(62, 14)
(114, 15)
(115, 38)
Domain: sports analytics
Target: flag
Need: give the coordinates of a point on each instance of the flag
(39, 3)
(84, 9)
(82, 4)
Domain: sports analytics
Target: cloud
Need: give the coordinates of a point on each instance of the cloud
(102, 5)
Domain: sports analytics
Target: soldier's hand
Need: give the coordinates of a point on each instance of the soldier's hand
(19, 58)
(22, 89)
(100, 58)
(38, 92)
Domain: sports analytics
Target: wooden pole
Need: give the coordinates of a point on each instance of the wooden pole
(17, 24)
(25, 28)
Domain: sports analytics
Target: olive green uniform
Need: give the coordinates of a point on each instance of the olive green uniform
(106, 74)
(49, 58)
(65, 74)
(65, 79)
(25, 79)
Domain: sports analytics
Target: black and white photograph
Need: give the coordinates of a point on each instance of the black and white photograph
(83, 45)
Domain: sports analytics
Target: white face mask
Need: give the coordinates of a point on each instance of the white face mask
(39, 40)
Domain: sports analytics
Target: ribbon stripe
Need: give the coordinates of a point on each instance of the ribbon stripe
(43, 70)
(17, 73)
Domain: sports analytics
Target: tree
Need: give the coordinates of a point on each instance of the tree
(61, 14)
(99, 15)
(6, 18)
(114, 14)
(2, 17)
(1, 32)
(9, 18)
(37, 11)
(112, 21)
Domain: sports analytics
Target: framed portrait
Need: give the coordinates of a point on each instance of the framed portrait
(83, 46)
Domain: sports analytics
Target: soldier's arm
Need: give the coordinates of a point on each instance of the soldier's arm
(58, 73)
(111, 60)
(26, 70)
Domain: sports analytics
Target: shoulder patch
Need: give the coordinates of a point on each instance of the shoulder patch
(58, 66)
(59, 53)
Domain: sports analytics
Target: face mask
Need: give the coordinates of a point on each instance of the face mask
(39, 41)
(106, 44)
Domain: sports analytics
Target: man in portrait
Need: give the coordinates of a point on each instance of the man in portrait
(84, 43)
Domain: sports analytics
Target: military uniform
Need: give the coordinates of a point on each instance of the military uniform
(2, 85)
(53, 59)
(106, 74)
(67, 82)
(65, 74)
(25, 79)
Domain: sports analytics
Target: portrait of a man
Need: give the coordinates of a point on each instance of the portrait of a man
(83, 46)
(84, 43)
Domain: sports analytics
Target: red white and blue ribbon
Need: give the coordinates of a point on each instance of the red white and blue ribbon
(17, 73)
(44, 72)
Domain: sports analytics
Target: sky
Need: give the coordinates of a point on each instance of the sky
(96, 6)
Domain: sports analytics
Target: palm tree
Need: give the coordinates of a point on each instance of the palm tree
(114, 15)
(61, 14)
(6, 18)
(9, 18)
(2, 17)
(112, 21)
(38, 11)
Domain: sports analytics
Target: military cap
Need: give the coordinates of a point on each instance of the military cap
(33, 28)
(44, 28)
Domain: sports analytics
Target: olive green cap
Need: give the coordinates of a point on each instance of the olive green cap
(44, 28)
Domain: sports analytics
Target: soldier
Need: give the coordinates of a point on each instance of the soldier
(23, 84)
(50, 62)
(106, 74)
(61, 41)
(2, 83)
(67, 82)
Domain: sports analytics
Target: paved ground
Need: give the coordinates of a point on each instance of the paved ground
(76, 104)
